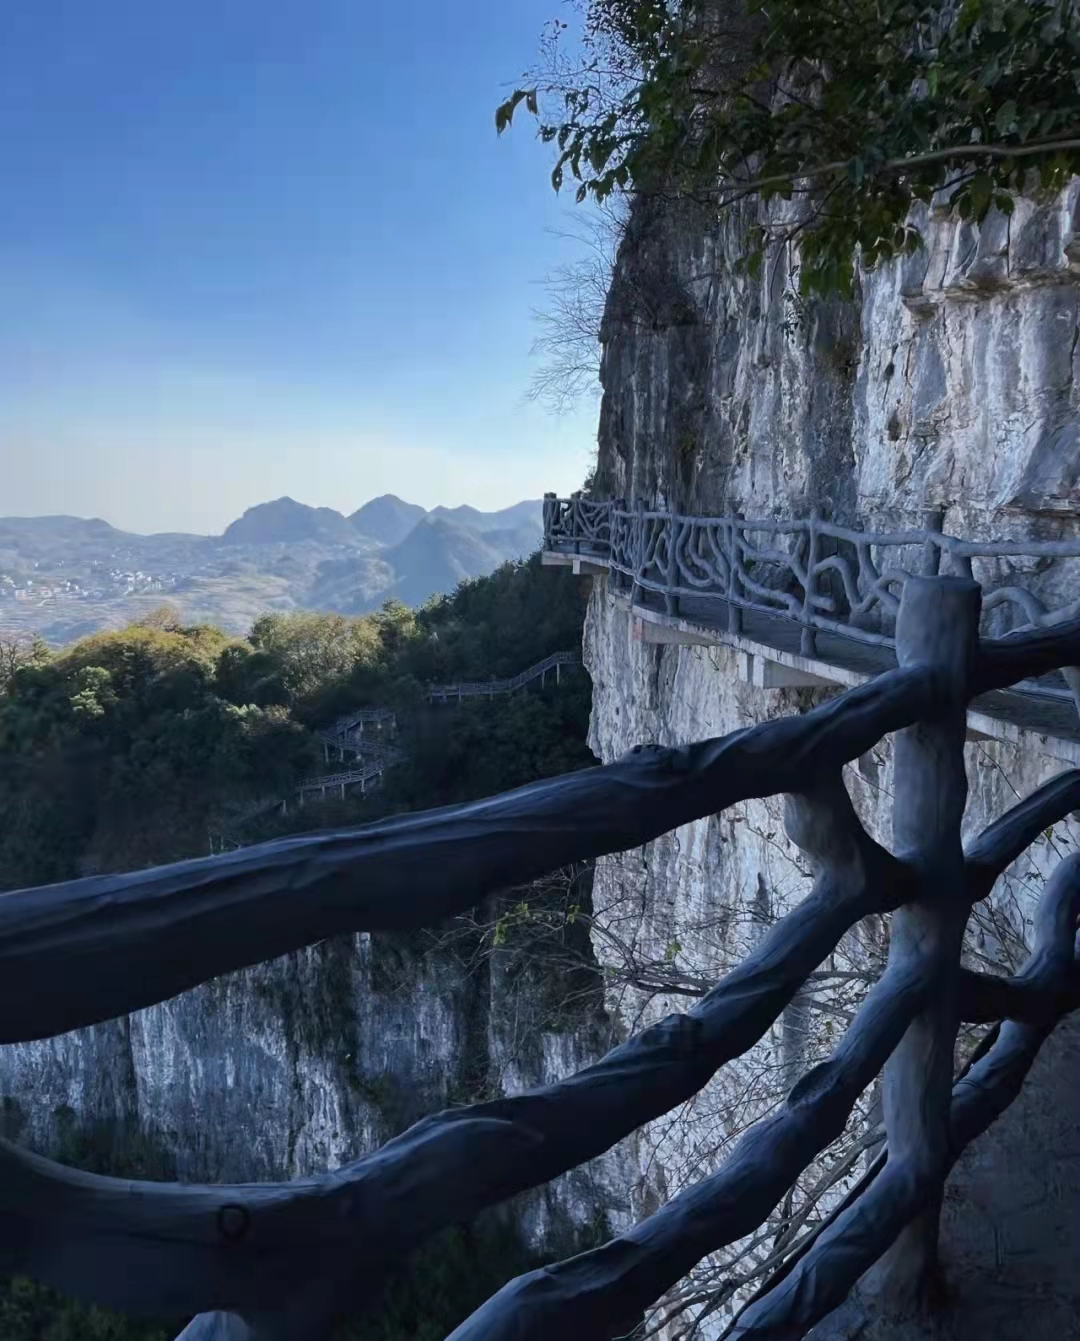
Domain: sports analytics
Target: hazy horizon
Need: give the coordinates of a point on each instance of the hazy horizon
(248, 253)
(345, 511)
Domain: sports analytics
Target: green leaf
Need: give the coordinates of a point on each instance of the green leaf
(504, 114)
(981, 192)
(1006, 117)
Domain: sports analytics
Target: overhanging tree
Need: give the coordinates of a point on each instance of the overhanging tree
(860, 108)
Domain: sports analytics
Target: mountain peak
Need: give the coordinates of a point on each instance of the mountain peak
(387, 519)
(285, 521)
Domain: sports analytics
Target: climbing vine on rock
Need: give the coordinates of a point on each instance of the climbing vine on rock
(858, 108)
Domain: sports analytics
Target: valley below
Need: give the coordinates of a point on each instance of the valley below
(62, 578)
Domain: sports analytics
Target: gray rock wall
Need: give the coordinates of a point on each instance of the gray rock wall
(949, 385)
(305, 1063)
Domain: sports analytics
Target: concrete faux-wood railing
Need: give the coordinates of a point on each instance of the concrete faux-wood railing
(285, 1259)
(806, 602)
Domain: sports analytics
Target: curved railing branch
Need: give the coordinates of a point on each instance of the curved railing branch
(252, 1249)
(857, 1239)
(67, 950)
(1001, 843)
(604, 1292)
(985, 997)
(559, 1127)
(1026, 655)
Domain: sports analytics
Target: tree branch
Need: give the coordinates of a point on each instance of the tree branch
(928, 159)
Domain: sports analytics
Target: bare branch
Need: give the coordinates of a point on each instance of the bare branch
(958, 152)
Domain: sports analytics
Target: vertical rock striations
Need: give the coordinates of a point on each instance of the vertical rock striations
(950, 386)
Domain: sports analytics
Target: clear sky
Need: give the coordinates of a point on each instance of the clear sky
(261, 247)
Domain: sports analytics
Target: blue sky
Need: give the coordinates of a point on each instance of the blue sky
(251, 249)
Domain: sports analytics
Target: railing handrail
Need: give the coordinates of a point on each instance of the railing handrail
(377, 758)
(811, 581)
(319, 780)
(362, 716)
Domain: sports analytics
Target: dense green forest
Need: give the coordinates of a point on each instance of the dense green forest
(131, 748)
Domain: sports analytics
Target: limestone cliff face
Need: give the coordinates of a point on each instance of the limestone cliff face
(949, 385)
(305, 1063)
(952, 384)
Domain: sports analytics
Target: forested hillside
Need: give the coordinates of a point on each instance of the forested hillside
(130, 748)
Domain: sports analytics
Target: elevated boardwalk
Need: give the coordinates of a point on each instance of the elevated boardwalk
(812, 604)
(362, 736)
(443, 693)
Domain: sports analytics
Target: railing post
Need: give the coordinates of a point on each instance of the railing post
(734, 612)
(938, 625)
(671, 599)
(960, 564)
(637, 546)
(549, 519)
(609, 508)
(933, 520)
(575, 520)
(808, 637)
(618, 579)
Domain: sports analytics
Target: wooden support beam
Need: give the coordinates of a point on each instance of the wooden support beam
(583, 568)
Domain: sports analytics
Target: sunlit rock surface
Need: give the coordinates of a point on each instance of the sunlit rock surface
(949, 386)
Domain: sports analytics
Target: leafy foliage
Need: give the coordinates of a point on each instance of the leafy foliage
(445, 1281)
(861, 108)
(117, 749)
(28, 1312)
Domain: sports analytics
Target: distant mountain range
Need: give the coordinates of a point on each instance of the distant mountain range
(66, 576)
